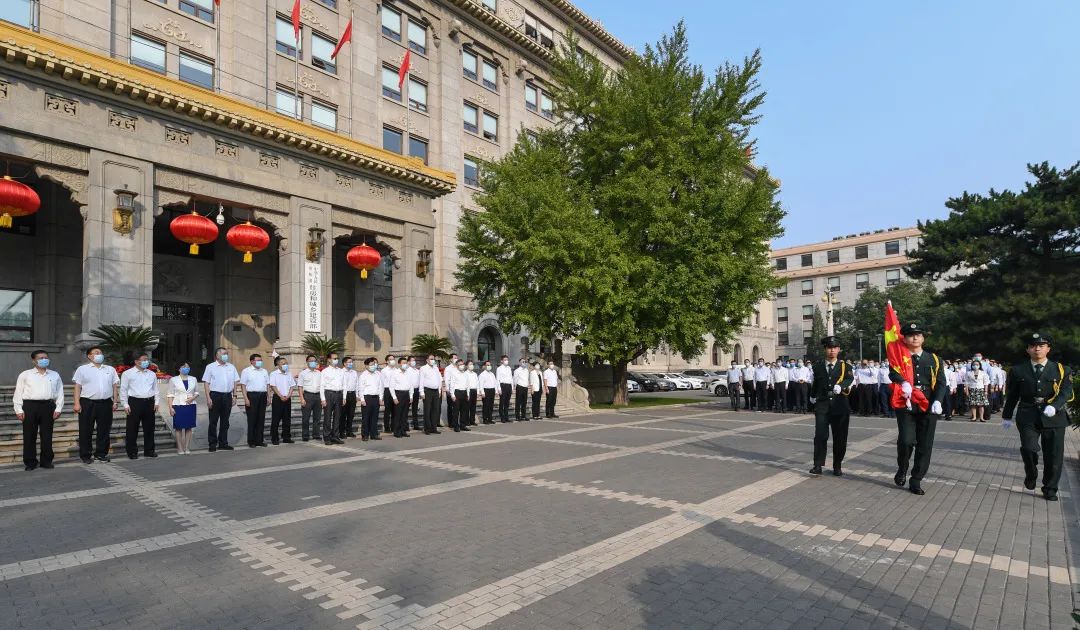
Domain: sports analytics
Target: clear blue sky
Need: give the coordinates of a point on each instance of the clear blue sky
(877, 112)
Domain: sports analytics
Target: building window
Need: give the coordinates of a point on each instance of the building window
(391, 23)
(892, 248)
(472, 117)
(757, 317)
(806, 335)
(148, 53)
(807, 287)
(417, 95)
(468, 64)
(324, 115)
(532, 98)
(834, 284)
(781, 264)
(833, 255)
(861, 251)
(392, 139)
(782, 338)
(546, 108)
(202, 9)
(417, 37)
(781, 314)
(321, 49)
(892, 277)
(390, 83)
(19, 12)
(285, 103)
(196, 70)
(531, 136)
(286, 36)
(418, 147)
(807, 260)
(490, 76)
(491, 127)
(472, 172)
(330, 3)
(16, 315)
(488, 4)
(538, 31)
(808, 312)
(862, 280)
(782, 291)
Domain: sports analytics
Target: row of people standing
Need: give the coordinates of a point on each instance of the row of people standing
(775, 386)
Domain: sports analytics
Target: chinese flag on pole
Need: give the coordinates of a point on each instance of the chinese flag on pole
(404, 72)
(346, 35)
(900, 360)
(296, 20)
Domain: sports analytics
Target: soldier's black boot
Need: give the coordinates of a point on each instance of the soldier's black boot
(1029, 480)
(916, 487)
(816, 470)
(901, 478)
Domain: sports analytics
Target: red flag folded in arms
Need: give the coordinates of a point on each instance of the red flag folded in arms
(900, 360)
(404, 72)
(346, 35)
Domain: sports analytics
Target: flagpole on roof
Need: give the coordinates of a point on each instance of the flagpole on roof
(298, 105)
(352, 62)
(217, 44)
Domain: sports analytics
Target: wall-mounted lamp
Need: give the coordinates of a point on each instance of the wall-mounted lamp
(124, 211)
(315, 243)
(423, 262)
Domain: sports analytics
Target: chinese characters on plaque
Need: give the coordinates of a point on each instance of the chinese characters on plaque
(312, 297)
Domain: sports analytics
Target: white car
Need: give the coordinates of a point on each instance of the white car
(632, 386)
(680, 381)
(696, 381)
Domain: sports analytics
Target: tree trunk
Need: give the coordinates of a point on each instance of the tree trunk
(618, 375)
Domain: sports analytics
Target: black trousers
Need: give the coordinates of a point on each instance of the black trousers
(38, 419)
(733, 391)
(488, 407)
(781, 396)
(348, 412)
(762, 389)
(309, 416)
(256, 418)
(837, 423)
(472, 407)
(369, 417)
(388, 410)
(401, 412)
(95, 414)
(432, 408)
(916, 434)
(802, 392)
(462, 403)
(749, 395)
(415, 400)
(1051, 441)
(332, 413)
(451, 410)
(866, 398)
(885, 393)
(280, 418)
(506, 390)
(141, 417)
(521, 402)
(536, 403)
(550, 400)
(217, 428)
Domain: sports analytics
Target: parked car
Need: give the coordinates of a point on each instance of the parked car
(632, 386)
(702, 374)
(680, 382)
(719, 388)
(696, 382)
(662, 384)
(646, 383)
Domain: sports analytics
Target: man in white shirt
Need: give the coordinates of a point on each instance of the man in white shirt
(551, 386)
(138, 392)
(430, 386)
(331, 395)
(488, 386)
(38, 401)
(762, 385)
(884, 390)
(472, 386)
(799, 384)
(451, 404)
(749, 393)
(400, 390)
(281, 384)
(536, 388)
(864, 376)
(387, 371)
(254, 381)
(458, 385)
(780, 376)
(369, 392)
(309, 382)
(521, 391)
(219, 379)
(413, 376)
(348, 408)
(505, 377)
(734, 385)
(97, 391)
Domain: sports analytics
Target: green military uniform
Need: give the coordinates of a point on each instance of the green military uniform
(916, 427)
(1030, 389)
(831, 410)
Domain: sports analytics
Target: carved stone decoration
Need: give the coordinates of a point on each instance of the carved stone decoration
(4, 88)
(225, 149)
(481, 100)
(171, 28)
(170, 278)
(60, 105)
(307, 15)
(343, 181)
(66, 156)
(77, 183)
(405, 197)
(309, 85)
(480, 152)
(121, 121)
(163, 198)
(513, 15)
(270, 202)
(376, 190)
(268, 161)
(280, 222)
(308, 171)
(403, 122)
(177, 136)
(171, 179)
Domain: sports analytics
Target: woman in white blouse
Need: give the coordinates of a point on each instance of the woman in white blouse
(978, 383)
(183, 391)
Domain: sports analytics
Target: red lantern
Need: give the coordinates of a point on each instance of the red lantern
(16, 200)
(194, 229)
(247, 238)
(363, 257)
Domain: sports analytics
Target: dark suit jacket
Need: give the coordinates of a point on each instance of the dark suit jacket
(1021, 389)
(929, 377)
(821, 389)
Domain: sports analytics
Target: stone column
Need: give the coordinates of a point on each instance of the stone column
(413, 308)
(292, 262)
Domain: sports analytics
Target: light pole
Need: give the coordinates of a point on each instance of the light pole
(860, 346)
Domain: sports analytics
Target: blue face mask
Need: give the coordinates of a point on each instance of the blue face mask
(313, 364)
(258, 364)
(224, 358)
(348, 366)
(285, 367)
(333, 361)
(43, 363)
(185, 370)
(144, 364)
(98, 358)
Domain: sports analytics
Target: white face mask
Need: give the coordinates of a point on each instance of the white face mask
(506, 361)
(431, 361)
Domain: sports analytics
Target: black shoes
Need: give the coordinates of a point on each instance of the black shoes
(86, 460)
(837, 472)
(916, 488)
(30, 467)
(900, 479)
(466, 429)
(436, 432)
(50, 467)
(1049, 495)
(816, 470)
(1029, 481)
(130, 456)
(213, 449)
(103, 458)
(288, 441)
(150, 455)
(263, 444)
(225, 447)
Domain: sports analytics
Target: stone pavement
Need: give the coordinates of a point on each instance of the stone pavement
(679, 517)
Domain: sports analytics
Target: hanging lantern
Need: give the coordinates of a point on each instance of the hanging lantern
(194, 229)
(16, 200)
(247, 238)
(363, 257)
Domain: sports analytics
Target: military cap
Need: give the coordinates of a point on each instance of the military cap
(1035, 339)
(912, 328)
(830, 342)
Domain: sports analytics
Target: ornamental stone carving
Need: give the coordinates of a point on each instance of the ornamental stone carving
(343, 181)
(4, 88)
(307, 171)
(307, 15)
(309, 85)
(267, 160)
(171, 28)
(170, 278)
(121, 121)
(163, 198)
(405, 197)
(60, 105)
(376, 190)
(225, 149)
(78, 184)
(177, 136)
(64, 156)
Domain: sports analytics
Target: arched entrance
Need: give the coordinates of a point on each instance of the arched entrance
(738, 353)
(716, 355)
(488, 346)
(757, 354)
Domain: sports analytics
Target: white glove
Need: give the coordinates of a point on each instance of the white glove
(906, 388)
(936, 408)
(1006, 424)
(1050, 411)
(836, 389)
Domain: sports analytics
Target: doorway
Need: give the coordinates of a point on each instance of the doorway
(185, 335)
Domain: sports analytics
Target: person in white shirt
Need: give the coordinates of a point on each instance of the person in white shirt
(978, 385)
(488, 385)
(309, 382)
(413, 376)
(472, 386)
(387, 371)
(254, 382)
(884, 390)
(400, 392)
(780, 378)
(551, 389)
(536, 388)
(180, 397)
(431, 388)
(332, 395)
(97, 391)
(369, 392)
(219, 380)
(749, 393)
(139, 394)
(864, 376)
(799, 384)
(521, 391)
(348, 408)
(734, 385)
(458, 385)
(762, 385)
(451, 404)
(281, 384)
(505, 377)
(38, 400)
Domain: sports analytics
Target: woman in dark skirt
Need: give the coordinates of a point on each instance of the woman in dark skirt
(183, 390)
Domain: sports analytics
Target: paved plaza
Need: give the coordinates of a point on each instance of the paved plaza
(678, 517)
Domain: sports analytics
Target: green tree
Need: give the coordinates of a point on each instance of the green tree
(122, 343)
(914, 301)
(1015, 258)
(639, 221)
(423, 345)
(321, 345)
(814, 349)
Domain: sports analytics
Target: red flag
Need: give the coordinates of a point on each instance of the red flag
(296, 20)
(404, 72)
(217, 2)
(900, 361)
(346, 35)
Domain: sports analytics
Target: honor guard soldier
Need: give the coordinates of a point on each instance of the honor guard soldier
(830, 388)
(917, 427)
(1037, 391)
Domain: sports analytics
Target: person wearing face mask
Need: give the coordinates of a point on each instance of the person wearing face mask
(180, 396)
(884, 390)
(254, 381)
(762, 385)
(916, 427)
(521, 391)
(400, 389)
(833, 381)
(978, 384)
(536, 388)
(138, 391)
(38, 400)
(348, 407)
(505, 377)
(488, 385)
(551, 387)
(413, 375)
(219, 382)
(281, 384)
(451, 404)
(749, 394)
(388, 393)
(431, 393)
(734, 385)
(458, 384)
(309, 382)
(369, 392)
(97, 391)
(780, 377)
(800, 386)
(331, 396)
(472, 384)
